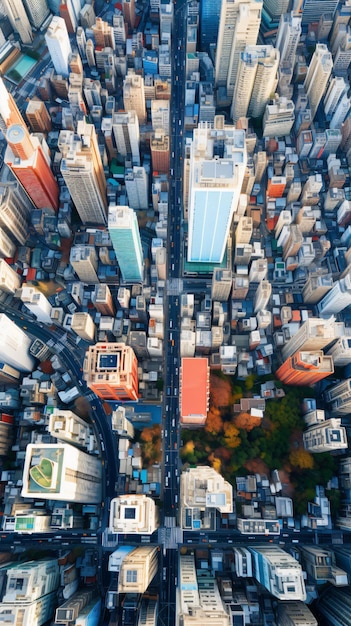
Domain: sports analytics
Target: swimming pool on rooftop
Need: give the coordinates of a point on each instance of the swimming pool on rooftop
(22, 66)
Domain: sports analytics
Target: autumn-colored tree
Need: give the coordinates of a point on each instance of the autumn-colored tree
(220, 391)
(216, 463)
(214, 422)
(301, 458)
(246, 421)
(146, 435)
(188, 448)
(231, 435)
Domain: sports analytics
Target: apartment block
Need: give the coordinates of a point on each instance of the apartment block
(69, 427)
(305, 368)
(279, 572)
(325, 437)
(138, 569)
(134, 514)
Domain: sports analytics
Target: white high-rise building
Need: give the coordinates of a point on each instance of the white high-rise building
(14, 345)
(337, 299)
(137, 186)
(59, 46)
(256, 81)
(36, 303)
(263, 294)
(325, 437)
(31, 580)
(313, 334)
(61, 472)
(133, 513)
(69, 427)
(341, 351)
(18, 19)
(288, 37)
(203, 492)
(339, 397)
(341, 111)
(160, 115)
(217, 168)
(337, 87)
(278, 118)
(279, 572)
(317, 77)
(238, 27)
(127, 135)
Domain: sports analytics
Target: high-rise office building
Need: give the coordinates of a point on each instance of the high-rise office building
(125, 237)
(256, 81)
(337, 299)
(137, 187)
(30, 580)
(305, 368)
(37, 11)
(127, 135)
(69, 427)
(288, 37)
(18, 19)
(134, 96)
(102, 300)
(128, 8)
(111, 371)
(14, 345)
(67, 13)
(36, 303)
(138, 569)
(58, 44)
(238, 27)
(326, 436)
(317, 77)
(15, 209)
(84, 261)
(103, 34)
(217, 168)
(339, 397)
(83, 325)
(160, 115)
(341, 351)
(278, 118)
(279, 572)
(133, 513)
(29, 161)
(335, 606)
(59, 471)
(295, 613)
(82, 170)
(313, 334)
(312, 10)
(38, 117)
(209, 22)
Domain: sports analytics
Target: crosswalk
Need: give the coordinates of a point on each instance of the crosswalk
(170, 535)
(174, 286)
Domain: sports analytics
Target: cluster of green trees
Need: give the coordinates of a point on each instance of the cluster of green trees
(234, 444)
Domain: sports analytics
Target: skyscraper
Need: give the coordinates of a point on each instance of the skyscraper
(59, 471)
(29, 161)
(317, 76)
(288, 37)
(335, 606)
(256, 81)
(313, 334)
(217, 167)
(37, 11)
(15, 210)
(238, 27)
(125, 237)
(9, 113)
(279, 572)
(134, 96)
(59, 46)
(127, 136)
(14, 345)
(327, 436)
(138, 568)
(209, 22)
(337, 299)
(19, 21)
(82, 170)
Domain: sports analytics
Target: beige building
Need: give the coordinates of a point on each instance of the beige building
(10, 281)
(83, 325)
(317, 77)
(325, 437)
(134, 96)
(67, 426)
(203, 494)
(133, 514)
(84, 261)
(111, 371)
(314, 334)
(138, 569)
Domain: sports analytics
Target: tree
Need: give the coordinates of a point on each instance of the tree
(214, 422)
(231, 435)
(215, 462)
(250, 381)
(220, 391)
(301, 458)
(246, 421)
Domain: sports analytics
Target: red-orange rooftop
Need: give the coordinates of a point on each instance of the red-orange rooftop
(194, 387)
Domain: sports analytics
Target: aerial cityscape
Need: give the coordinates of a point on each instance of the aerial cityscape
(175, 312)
